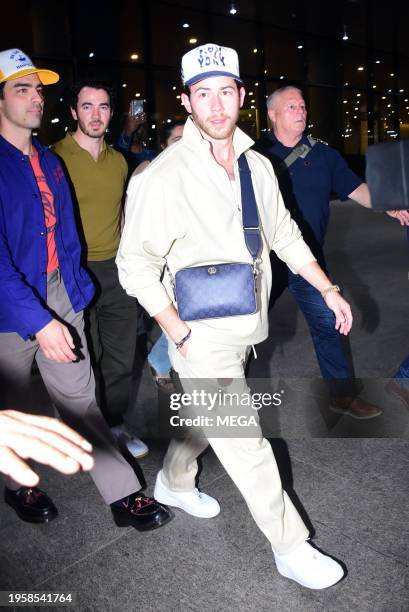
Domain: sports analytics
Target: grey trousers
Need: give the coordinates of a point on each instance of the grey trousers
(71, 387)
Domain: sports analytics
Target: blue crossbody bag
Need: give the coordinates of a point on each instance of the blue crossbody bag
(224, 289)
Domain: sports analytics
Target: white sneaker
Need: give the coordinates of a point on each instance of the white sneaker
(309, 567)
(135, 446)
(193, 502)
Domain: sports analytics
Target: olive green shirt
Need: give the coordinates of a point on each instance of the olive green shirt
(99, 187)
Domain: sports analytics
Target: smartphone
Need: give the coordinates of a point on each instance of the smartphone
(136, 107)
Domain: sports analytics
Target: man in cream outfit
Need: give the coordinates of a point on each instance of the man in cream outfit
(186, 209)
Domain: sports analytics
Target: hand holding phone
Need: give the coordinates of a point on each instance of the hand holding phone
(136, 108)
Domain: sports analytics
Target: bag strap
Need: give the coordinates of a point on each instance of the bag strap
(301, 151)
(251, 226)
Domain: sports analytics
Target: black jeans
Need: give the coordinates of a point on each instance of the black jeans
(112, 326)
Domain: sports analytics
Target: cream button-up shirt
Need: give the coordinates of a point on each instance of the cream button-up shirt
(184, 210)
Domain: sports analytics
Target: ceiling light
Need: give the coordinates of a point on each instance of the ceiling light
(134, 56)
(360, 68)
(185, 25)
(345, 35)
(193, 41)
(232, 9)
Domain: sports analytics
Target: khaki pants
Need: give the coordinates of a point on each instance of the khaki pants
(249, 461)
(71, 387)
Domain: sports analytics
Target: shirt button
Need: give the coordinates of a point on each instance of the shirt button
(41, 233)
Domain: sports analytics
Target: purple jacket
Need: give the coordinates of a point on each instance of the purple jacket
(23, 242)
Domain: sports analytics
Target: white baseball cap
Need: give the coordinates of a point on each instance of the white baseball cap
(15, 63)
(207, 61)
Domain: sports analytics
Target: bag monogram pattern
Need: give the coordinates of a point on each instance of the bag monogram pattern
(218, 290)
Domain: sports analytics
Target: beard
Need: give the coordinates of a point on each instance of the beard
(217, 132)
(95, 131)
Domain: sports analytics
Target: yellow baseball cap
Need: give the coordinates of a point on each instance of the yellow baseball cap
(14, 63)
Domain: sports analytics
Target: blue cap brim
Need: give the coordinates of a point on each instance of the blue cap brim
(212, 73)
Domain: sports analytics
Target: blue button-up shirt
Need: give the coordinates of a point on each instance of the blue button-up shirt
(306, 186)
(23, 242)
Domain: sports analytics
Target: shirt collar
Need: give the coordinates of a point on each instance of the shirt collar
(9, 149)
(73, 146)
(273, 138)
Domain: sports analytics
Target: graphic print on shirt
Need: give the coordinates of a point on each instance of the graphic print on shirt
(47, 199)
(48, 204)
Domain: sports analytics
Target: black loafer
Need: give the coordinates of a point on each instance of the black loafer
(31, 505)
(143, 513)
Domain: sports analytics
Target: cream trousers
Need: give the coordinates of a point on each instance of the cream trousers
(249, 461)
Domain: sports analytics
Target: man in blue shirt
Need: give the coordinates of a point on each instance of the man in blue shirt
(308, 172)
(44, 291)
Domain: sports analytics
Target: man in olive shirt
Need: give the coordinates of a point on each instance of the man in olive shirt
(98, 174)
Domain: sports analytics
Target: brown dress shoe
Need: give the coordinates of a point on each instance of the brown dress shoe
(354, 407)
(400, 392)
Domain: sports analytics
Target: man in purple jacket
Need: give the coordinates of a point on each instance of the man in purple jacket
(44, 290)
